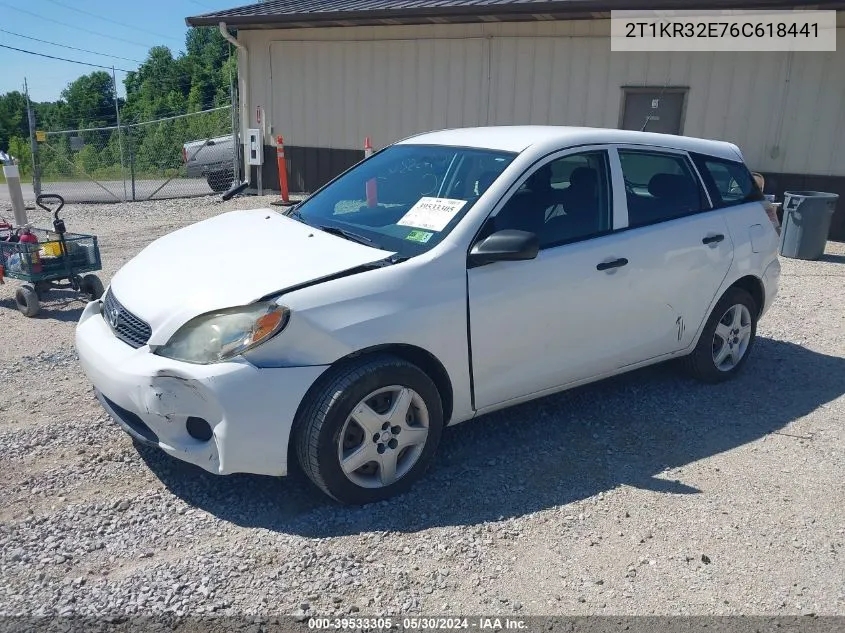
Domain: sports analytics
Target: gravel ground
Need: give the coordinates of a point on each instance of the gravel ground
(645, 494)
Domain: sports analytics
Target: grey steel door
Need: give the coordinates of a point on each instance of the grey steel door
(658, 110)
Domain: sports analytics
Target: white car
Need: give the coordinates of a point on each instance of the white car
(449, 275)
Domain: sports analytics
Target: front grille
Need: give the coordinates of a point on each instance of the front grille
(125, 325)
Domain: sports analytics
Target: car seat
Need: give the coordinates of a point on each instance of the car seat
(525, 211)
(675, 195)
(581, 208)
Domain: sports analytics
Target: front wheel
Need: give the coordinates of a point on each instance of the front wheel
(91, 286)
(369, 429)
(726, 340)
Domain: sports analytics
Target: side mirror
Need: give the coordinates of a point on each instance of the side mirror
(508, 245)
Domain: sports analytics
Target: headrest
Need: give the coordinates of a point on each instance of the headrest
(583, 177)
(541, 179)
(669, 185)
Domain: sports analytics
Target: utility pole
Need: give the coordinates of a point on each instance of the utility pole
(36, 168)
(119, 133)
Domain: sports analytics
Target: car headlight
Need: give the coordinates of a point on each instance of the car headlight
(223, 334)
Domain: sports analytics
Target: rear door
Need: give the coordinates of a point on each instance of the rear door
(731, 186)
(680, 245)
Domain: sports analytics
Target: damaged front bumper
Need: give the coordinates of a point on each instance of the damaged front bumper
(249, 410)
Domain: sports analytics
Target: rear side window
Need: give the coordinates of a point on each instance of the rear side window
(729, 182)
(659, 187)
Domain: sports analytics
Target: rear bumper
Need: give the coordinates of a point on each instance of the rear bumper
(249, 409)
(771, 284)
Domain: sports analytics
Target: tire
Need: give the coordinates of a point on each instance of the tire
(702, 362)
(326, 430)
(91, 286)
(219, 180)
(27, 301)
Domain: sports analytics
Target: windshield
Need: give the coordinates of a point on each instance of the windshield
(406, 198)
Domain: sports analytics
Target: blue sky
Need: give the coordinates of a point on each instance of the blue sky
(155, 22)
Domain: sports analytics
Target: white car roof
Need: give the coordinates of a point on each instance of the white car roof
(518, 138)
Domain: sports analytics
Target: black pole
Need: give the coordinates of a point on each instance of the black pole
(131, 160)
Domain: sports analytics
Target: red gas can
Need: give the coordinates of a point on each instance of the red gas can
(28, 238)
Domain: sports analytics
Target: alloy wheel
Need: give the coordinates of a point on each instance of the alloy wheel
(732, 337)
(383, 436)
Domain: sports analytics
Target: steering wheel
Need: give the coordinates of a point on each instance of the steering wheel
(428, 178)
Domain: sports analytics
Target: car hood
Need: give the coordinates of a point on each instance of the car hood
(230, 260)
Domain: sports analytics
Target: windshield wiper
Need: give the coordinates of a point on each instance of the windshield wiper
(295, 214)
(349, 235)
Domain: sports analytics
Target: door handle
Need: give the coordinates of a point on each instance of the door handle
(615, 263)
(713, 239)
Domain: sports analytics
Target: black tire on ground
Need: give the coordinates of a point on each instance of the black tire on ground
(91, 286)
(27, 301)
(700, 364)
(318, 425)
(42, 288)
(220, 180)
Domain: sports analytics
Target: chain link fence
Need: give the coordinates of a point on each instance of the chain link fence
(180, 156)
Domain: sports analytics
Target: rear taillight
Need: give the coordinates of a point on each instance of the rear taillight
(772, 212)
(184, 155)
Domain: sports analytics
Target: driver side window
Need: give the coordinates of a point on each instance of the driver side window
(565, 200)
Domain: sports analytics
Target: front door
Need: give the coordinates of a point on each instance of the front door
(539, 324)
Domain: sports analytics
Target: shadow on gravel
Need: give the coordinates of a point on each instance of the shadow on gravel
(833, 259)
(540, 455)
(53, 307)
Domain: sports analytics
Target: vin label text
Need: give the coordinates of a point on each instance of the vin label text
(729, 30)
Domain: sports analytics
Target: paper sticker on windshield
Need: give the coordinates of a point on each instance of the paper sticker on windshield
(432, 213)
(419, 236)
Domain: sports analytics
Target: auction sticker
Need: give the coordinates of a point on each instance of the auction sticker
(419, 236)
(432, 213)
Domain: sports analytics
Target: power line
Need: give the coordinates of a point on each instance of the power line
(134, 123)
(75, 28)
(73, 61)
(73, 48)
(203, 5)
(206, 107)
(104, 19)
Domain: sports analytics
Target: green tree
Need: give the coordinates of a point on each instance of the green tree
(163, 86)
(90, 100)
(52, 115)
(12, 118)
(19, 147)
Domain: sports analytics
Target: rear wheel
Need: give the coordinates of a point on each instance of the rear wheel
(220, 180)
(726, 340)
(369, 429)
(27, 301)
(42, 288)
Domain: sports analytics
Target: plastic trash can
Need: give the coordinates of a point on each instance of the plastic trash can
(806, 223)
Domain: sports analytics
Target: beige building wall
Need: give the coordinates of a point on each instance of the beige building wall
(329, 88)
